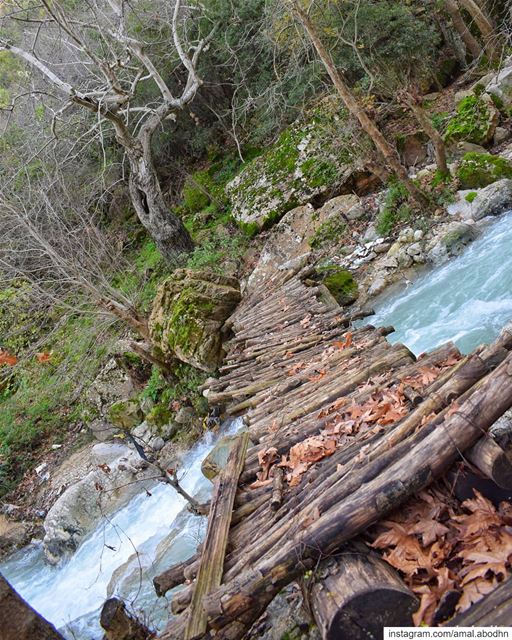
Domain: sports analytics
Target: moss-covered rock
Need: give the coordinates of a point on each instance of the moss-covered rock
(341, 284)
(125, 414)
(315, 155)
(478, 170)
(188, 313)
(475, 120)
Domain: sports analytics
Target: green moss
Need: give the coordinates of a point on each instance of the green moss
(471, 121)
(477, 170)
(159, 416)
(341, 284)
(125, 414)
(41, 405)
(471, 196)
(310, 156)
(185, 323)
(329, 231)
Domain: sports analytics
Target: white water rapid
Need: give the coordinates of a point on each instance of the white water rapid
(158, 527)
(467, 300)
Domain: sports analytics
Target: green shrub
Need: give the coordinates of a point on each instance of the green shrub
(395, 209)
(477, 170)
(471, 196)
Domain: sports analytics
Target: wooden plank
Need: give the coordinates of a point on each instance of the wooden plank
(211, 567)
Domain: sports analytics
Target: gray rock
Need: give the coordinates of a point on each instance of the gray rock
(370, 234)
(492, 200)
(216, 460)
(418, 235)
(414, 249)
(500, 135)
(452, 240)
(378, 285)
(185, 415)
(501, 85)
(404, 259)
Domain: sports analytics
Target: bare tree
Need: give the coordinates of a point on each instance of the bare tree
(385, 149)
(132, 68)
(68, 257)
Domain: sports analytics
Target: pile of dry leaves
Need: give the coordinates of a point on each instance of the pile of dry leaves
(449, 553)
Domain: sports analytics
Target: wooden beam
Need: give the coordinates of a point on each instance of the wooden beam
(211, 567)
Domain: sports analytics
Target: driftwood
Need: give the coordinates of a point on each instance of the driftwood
(172, 577)
(121, 625)
(356, 595)
(495, 609)
(211, 566)
(19, 621)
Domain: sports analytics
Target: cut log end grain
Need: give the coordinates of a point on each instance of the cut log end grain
(359, 596)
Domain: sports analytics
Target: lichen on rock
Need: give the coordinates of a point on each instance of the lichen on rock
(315, 155)
(188, 313)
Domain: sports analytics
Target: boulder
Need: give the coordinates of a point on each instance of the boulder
(501, 85)
(451, 241)
(300, 230)
(340, 283)
(475, 120)
(110, 385)
(13, 535)
(188, 315)
(315, 156)
(493, 200)
(101, 492)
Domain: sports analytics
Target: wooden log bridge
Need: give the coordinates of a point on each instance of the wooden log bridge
(344, 428)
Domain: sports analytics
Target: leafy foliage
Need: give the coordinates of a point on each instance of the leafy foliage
(396, 209)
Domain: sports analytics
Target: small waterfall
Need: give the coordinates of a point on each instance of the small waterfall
(120, 557)
(467, 300)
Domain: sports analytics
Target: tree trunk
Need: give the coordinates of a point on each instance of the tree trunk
(166, 229)
(387, 151)
(357, 594)
(484, 24)
(460, 26)
(18, 619)
(414, 103)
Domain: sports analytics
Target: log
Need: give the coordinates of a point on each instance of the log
(211, 566)
(19, 621)
(494, 610)
(276, 498)
(121, 625)
(172, 577)
(238, 603)
(357, 594)
(491, 460)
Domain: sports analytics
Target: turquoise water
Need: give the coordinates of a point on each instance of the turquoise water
(467, 300)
